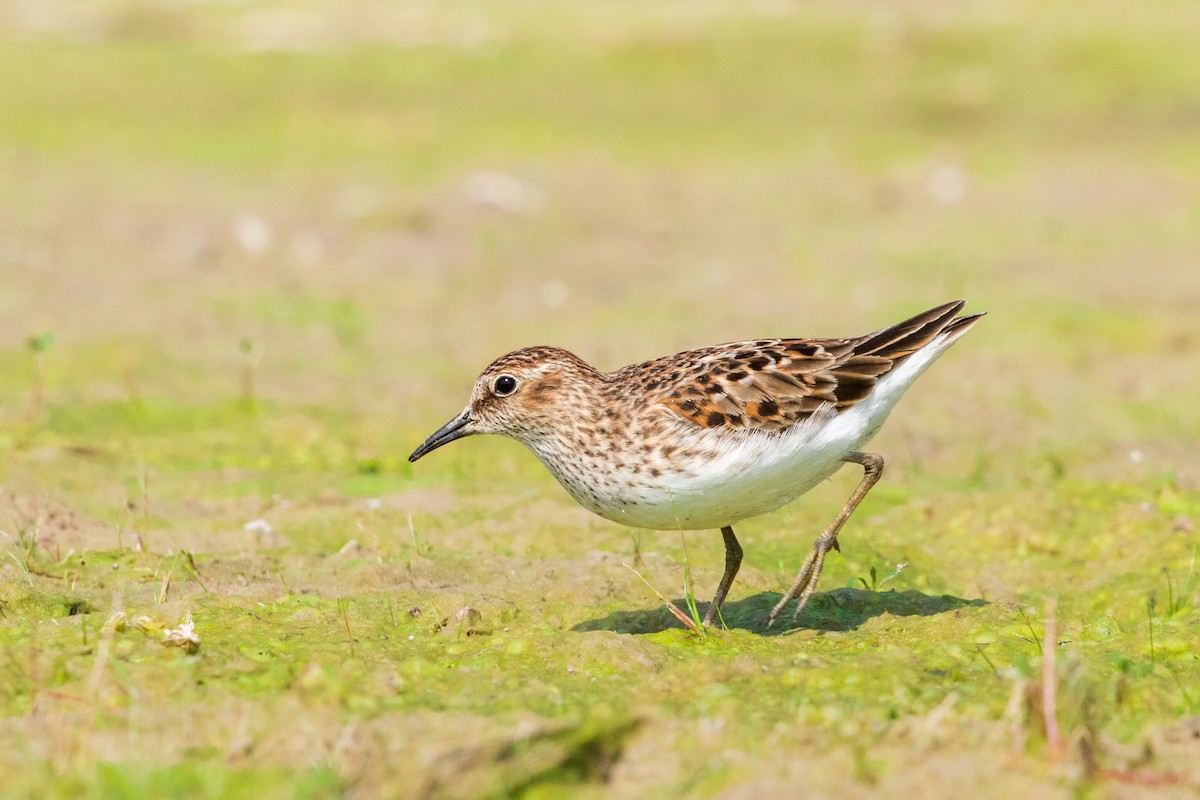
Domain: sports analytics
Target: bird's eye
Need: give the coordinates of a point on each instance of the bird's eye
(505, 385)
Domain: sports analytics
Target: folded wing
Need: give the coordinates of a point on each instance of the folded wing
(772, 384)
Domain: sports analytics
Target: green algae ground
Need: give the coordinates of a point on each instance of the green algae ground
(252, 254)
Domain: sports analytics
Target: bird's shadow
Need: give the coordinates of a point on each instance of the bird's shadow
(843, 609)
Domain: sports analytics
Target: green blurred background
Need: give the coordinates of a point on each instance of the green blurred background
(380, 199)
(252, 252)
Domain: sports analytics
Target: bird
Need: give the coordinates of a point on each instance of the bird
(707, 438)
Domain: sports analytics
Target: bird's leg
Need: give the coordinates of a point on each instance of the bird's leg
(733, 560)
(806, 580)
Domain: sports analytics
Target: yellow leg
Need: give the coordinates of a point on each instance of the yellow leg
(806, 580)
(733, 560)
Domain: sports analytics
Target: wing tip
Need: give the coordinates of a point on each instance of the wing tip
(960, 325)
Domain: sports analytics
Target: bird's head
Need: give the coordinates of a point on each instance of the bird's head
(523, 394)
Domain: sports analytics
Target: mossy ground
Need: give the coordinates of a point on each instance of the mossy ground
(254, 235)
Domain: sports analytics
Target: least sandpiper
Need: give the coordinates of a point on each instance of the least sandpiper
(706, 438)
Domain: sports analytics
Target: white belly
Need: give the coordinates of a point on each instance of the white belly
(749, 473)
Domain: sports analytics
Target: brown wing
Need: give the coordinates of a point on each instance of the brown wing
(771, 384)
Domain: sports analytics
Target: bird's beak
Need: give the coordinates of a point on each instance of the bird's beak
(456, 428)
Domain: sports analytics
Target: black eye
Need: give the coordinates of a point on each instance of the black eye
(505, 385)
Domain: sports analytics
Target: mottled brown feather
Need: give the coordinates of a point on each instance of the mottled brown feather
(772, 384)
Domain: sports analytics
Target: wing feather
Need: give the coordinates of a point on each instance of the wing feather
(772, 384)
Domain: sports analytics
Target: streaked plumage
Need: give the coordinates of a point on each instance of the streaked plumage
(708, 437)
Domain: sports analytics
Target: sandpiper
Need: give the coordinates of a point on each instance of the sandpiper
(706, 438)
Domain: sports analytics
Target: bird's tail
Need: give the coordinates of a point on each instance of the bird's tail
(898, 342)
